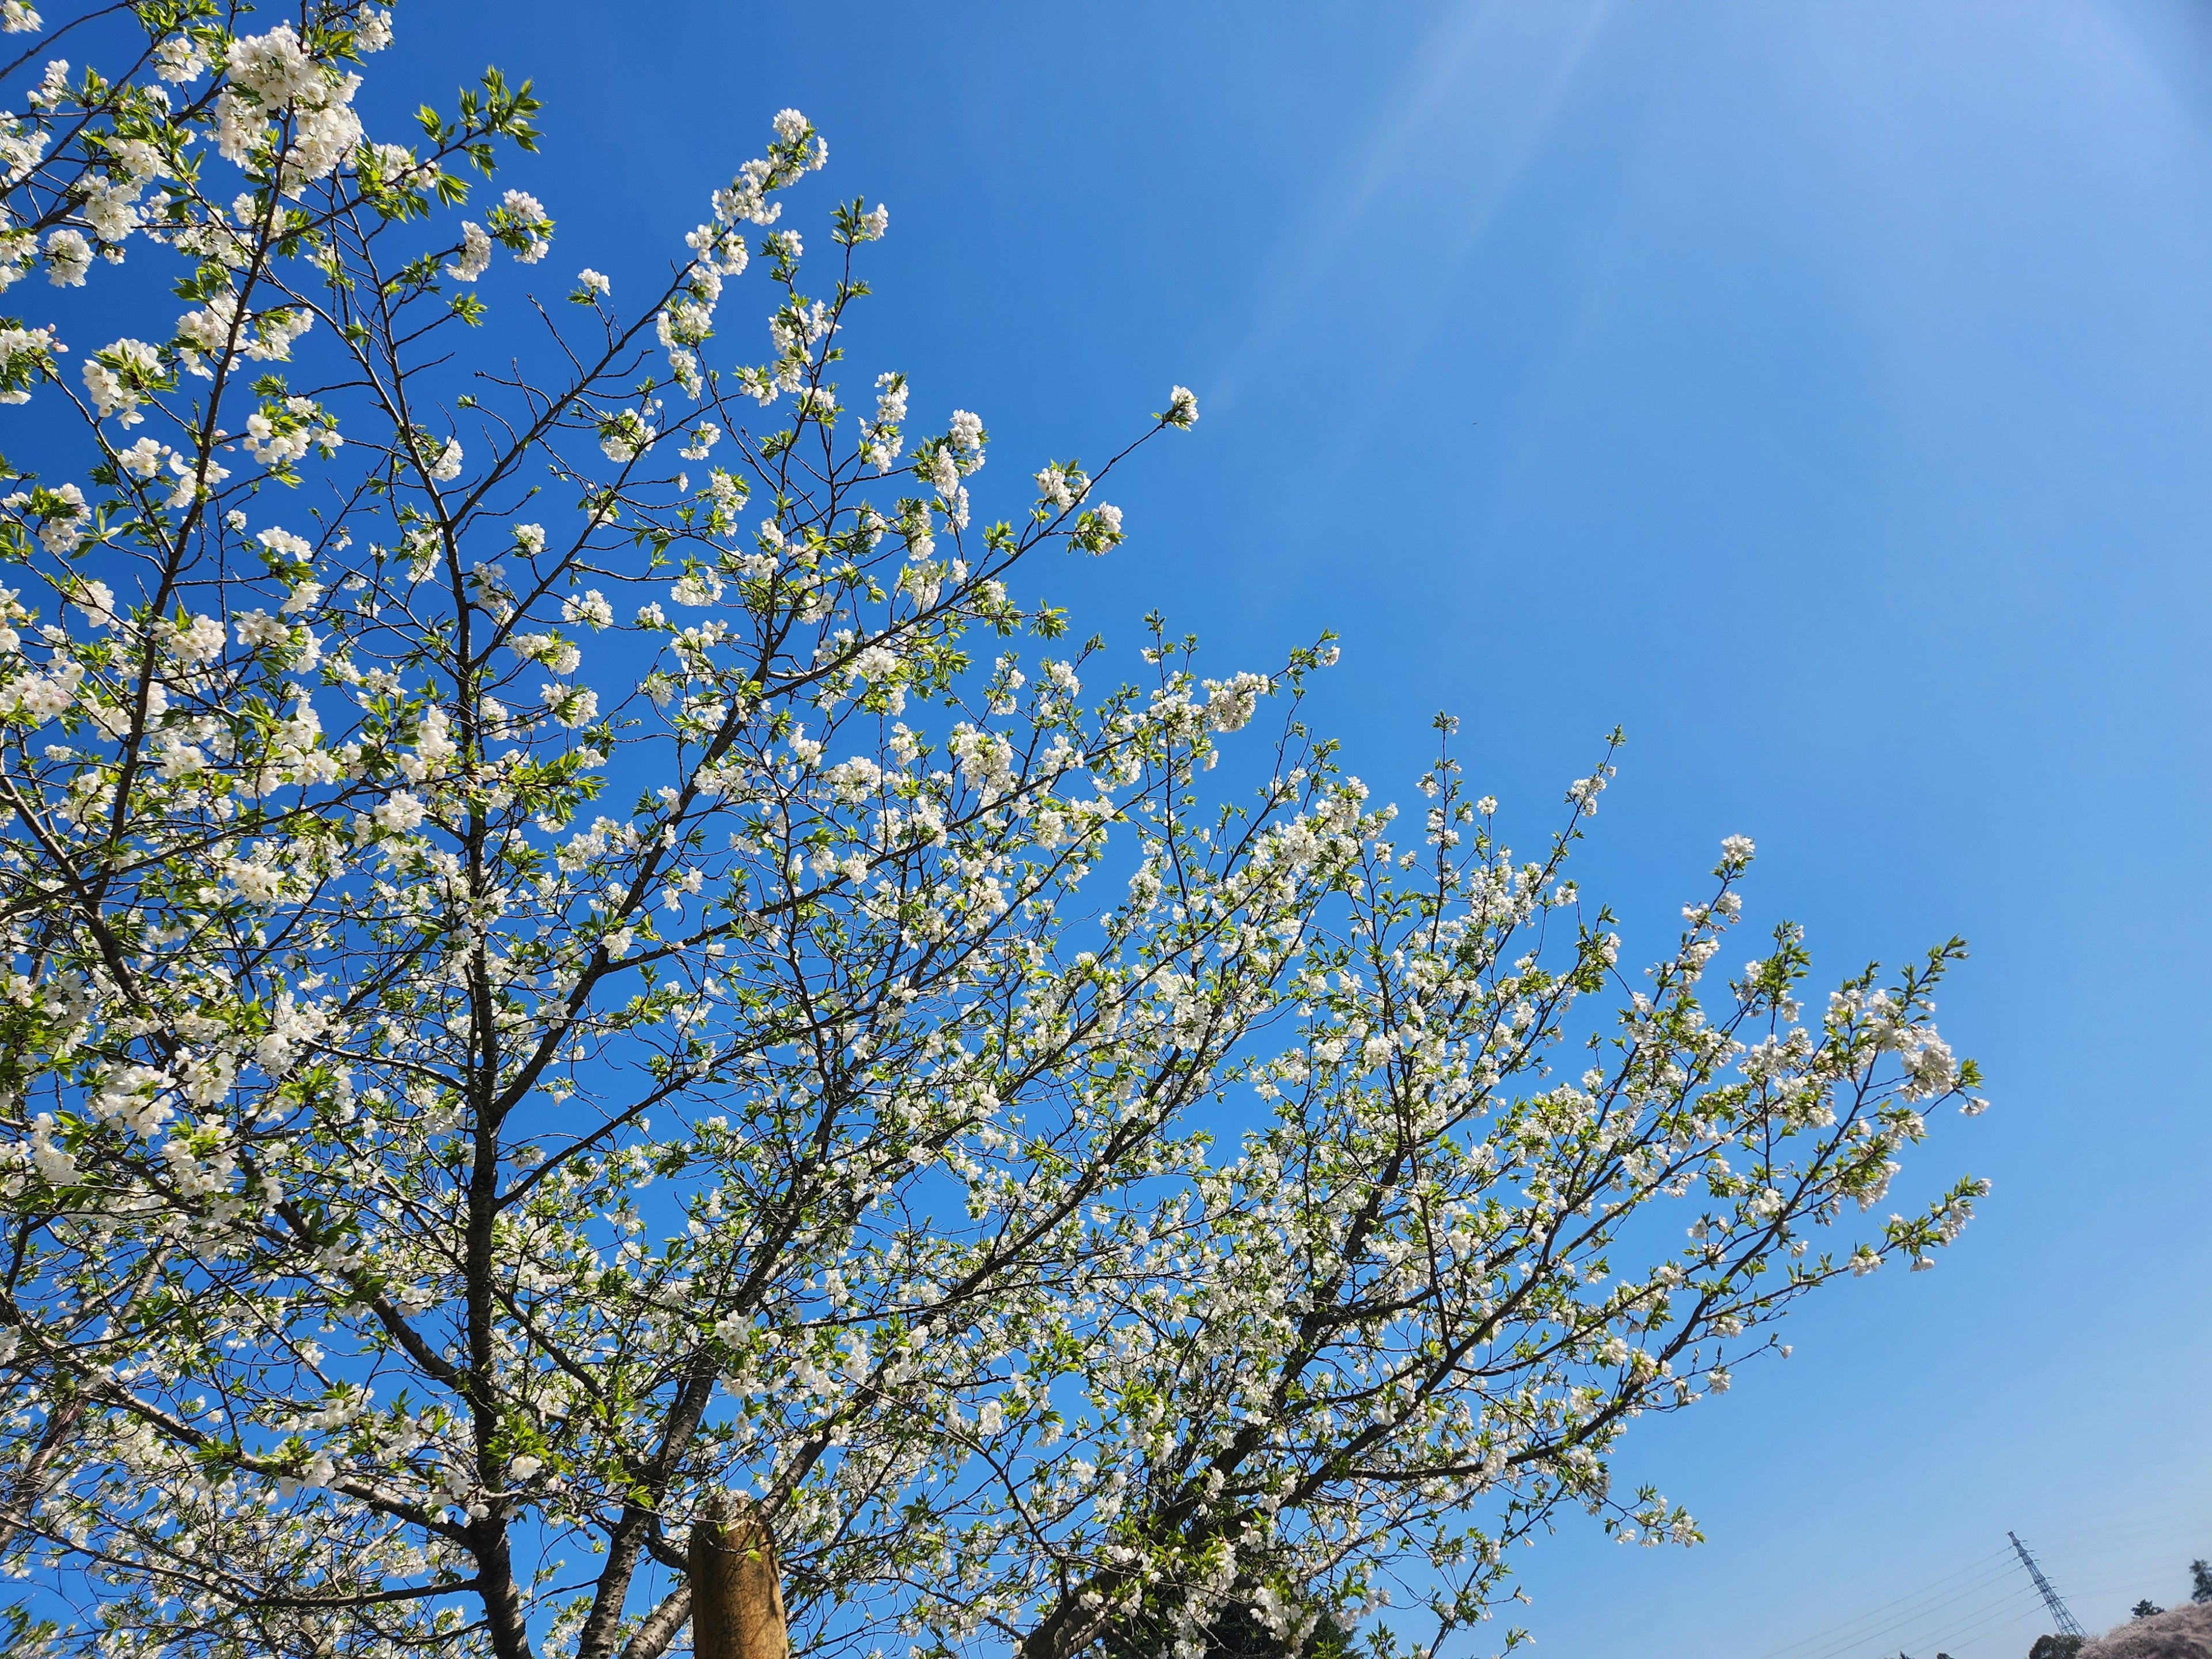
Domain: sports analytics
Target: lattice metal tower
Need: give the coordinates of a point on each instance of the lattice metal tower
(2068, 1624)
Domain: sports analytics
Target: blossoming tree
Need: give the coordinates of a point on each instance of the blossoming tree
(558, 975)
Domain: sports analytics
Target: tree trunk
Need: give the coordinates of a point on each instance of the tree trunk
(737, 1591)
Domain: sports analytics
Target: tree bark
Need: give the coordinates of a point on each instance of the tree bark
(737, 1588)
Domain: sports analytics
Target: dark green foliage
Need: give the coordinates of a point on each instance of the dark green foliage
(2200, 1574)
(1236, 1632)
(2055, 1647)
(2146, 1609)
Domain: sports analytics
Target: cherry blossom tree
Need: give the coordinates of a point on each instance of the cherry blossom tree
(575, 957)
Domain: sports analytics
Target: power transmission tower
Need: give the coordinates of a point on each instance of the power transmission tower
(2067, 1624)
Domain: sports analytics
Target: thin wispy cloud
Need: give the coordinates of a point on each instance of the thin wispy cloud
(1427, 86)
(1401, 143)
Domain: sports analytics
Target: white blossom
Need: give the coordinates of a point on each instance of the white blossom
(400, 811)
(475, 257)
(68, 257)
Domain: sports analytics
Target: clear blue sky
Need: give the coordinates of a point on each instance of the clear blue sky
(1821, 389)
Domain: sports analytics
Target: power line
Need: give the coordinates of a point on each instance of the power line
(2025, 1604)
(1913, 1617)
(2022, 1605)
(2017, 1605)
(2015, 1599)
(1980, 1568)
(2067, 1624)
(1934, 1605)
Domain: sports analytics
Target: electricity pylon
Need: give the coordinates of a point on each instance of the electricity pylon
(2068, 1624)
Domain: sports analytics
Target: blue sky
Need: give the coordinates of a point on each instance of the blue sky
(1822, 391)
